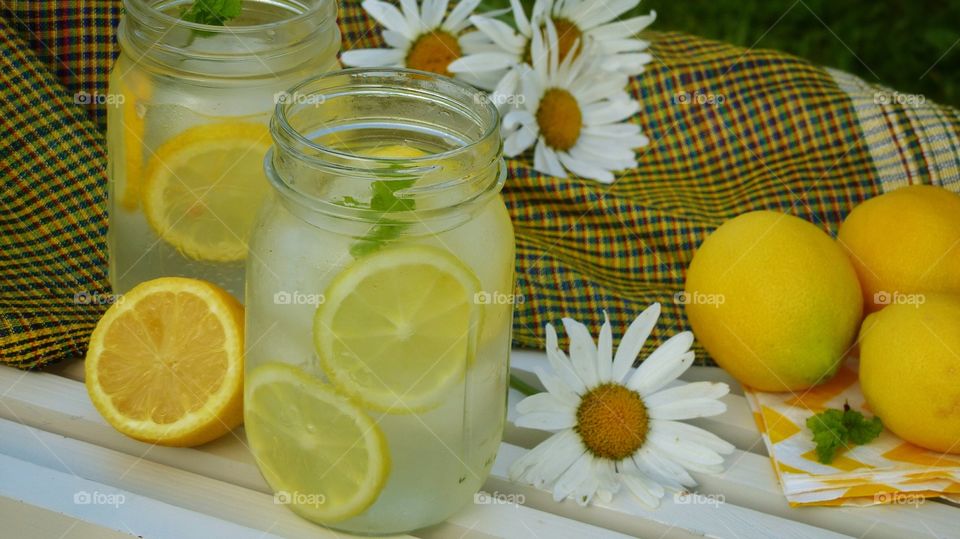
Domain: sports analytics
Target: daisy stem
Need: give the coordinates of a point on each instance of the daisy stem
(522, 387)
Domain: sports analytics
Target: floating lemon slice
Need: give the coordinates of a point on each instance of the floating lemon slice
(399, 327)
(319, 452)
(203, 187)
(136, 91)
(165, 364)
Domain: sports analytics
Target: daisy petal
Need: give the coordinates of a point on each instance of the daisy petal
(561, 365)
(372, 57)
(552, 421)
(674, 446)
(396, 40)
(585, 170)
(647, 491)
(605, 350)
(545, 160)
(594, 16)
(664, 365)
(546, 462)
(555, 385)
(500, 33)
(624, 28)
(583, 351)
(457, 20)
(657, 465)
(694, 434)
(703, 390)
(520, 17)
(519, 140)
(609, 111)
(389, 16)
(613, 46)
(632, 341)
(433, 11)
(411, 13)
(572, 479)
(545, 402)
(612, 130)
(481, 61)
(688, 409)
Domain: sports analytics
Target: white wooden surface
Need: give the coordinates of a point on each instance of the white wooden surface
(54, 445)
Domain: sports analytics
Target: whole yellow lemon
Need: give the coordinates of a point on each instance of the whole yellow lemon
(774, 300)
(910, 370)
(904, 243)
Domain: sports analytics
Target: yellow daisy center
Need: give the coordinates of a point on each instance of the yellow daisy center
(567, 35)
(612, 421)
(434, 52)
(559, 118)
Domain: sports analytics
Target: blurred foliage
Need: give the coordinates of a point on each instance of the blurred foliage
(913, 46)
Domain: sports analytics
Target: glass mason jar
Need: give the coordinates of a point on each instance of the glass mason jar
(379, 300)
(188, 130)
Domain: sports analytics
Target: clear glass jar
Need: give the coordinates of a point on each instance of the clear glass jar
(379, 301)
(187, 131)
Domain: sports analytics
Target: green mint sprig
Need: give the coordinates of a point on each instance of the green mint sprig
(212, 12)
(384, 200)
(833, 429)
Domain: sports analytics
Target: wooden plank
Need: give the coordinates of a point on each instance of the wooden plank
(79, 504)
(60, 405)
(169, 485)
(232, 503)
(21, 519)
(698, 516)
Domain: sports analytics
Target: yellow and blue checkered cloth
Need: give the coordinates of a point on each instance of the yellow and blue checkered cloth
(732, 130)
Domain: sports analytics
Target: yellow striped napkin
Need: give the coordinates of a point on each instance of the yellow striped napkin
(886, 470)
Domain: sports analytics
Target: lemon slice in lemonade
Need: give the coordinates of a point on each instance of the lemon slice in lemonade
(398, 328)
(317, 450)
(203, 188)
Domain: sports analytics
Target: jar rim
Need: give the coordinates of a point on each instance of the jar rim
(280, 116)
(482, 148)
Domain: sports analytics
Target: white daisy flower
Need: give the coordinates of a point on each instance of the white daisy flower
(495, 56)
(574, 112)
(615, 428)
(419, 36)
(616, 41)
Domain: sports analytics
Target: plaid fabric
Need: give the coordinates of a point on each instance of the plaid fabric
(732, 130)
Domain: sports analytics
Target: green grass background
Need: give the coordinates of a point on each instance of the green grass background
(911, 46)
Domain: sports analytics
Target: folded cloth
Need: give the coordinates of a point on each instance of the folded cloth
(732, 130)
(885, 470)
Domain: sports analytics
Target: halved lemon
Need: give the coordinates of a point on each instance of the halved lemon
(203, 188)
(165, 363)
(398, 328)
(316, 449)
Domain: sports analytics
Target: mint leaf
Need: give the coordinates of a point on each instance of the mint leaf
(860, 429)
(834, 429)
(212, 12)
(383, 200)
(828, 433)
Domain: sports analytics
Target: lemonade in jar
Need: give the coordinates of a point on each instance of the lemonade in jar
(379, 301)
(188, 134)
